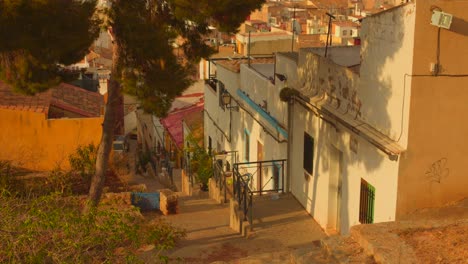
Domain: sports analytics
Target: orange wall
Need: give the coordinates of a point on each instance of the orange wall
(31, 141)
(434, 169)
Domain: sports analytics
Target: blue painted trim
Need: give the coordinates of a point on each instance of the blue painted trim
(262, 113)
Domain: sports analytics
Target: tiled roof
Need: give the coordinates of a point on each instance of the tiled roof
(173, 122)
(194, 121)
(63, 96)
(346, 23)
(330, 3)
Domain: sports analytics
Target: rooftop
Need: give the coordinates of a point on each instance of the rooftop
(64, 96)
(173, 122)
(234, 64)
(346, 56)
(291, 55)
(346, 23)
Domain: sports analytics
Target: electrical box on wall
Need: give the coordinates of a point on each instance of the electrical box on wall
(441, 19)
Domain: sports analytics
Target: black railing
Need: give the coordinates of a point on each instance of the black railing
(188, 170)
(212, 83)
(248, 180)
(220, 177)
(243, 194)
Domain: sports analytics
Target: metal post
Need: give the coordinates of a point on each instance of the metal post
(245, 203)
(248, 51)
(251, 212)
(282, 176)
(225, 187)
(293, 27)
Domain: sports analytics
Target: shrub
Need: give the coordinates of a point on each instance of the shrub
(51, 229)
(200, 161)
(287, 93)
(83, 161)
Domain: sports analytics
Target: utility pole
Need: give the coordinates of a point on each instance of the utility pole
(329, 31)
(293, 28)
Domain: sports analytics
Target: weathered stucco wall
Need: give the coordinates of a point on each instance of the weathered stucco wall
(368, 163)
(386, 52)
(320, 76)
(215, 115)
(433, 170)
(265, 47)
(31, 141)
(339, 87)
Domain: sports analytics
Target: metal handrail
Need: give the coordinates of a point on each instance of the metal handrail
(242, 191)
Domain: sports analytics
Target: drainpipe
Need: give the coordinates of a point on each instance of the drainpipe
(290, 143)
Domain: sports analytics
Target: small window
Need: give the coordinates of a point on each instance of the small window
(221, 91)
(246, 145)
(345, 32)
(209, 145)
(366, 205)
(308, 153)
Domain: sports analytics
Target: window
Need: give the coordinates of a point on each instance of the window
(366, 205)
(308, 153)
(209, 145)
(246, 145)
(221, 91)
(345, 32)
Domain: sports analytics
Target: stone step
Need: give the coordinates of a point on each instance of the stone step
(344, 249)
(313, 253)
(386, 246)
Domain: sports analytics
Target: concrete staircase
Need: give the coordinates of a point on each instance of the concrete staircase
(331, 250)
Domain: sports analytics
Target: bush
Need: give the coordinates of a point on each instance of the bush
(83, 161)
(200, 161)
(144, 158)
(287, 93)
(51, 229)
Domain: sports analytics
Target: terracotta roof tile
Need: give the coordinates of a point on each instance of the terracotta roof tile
(64, 96)
(173, 122)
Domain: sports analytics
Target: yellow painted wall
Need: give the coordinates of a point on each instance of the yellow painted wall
(31, 141)
(434, 169)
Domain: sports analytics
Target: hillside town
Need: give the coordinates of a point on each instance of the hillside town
(319, 131)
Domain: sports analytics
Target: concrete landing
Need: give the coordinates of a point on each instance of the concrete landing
(282, 227)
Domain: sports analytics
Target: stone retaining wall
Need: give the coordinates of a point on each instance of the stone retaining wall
(168, 202)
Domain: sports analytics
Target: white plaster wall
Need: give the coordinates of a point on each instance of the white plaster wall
(369, 164)
(387, 54)
(130, 122)
(220, 117)
(259, 88)
(288, 67)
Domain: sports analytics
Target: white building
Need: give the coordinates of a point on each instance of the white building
(254, 124)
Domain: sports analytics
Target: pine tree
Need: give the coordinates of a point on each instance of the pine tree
(37, 36)
(144, 62)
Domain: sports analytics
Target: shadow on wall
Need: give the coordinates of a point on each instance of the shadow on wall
(376, 89)
(459, 26)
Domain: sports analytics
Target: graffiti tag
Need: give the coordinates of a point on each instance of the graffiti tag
(438, 170)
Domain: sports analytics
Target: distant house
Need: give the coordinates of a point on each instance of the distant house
(174, 125)
(263, 42)
(163, 138)
(39, 132)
